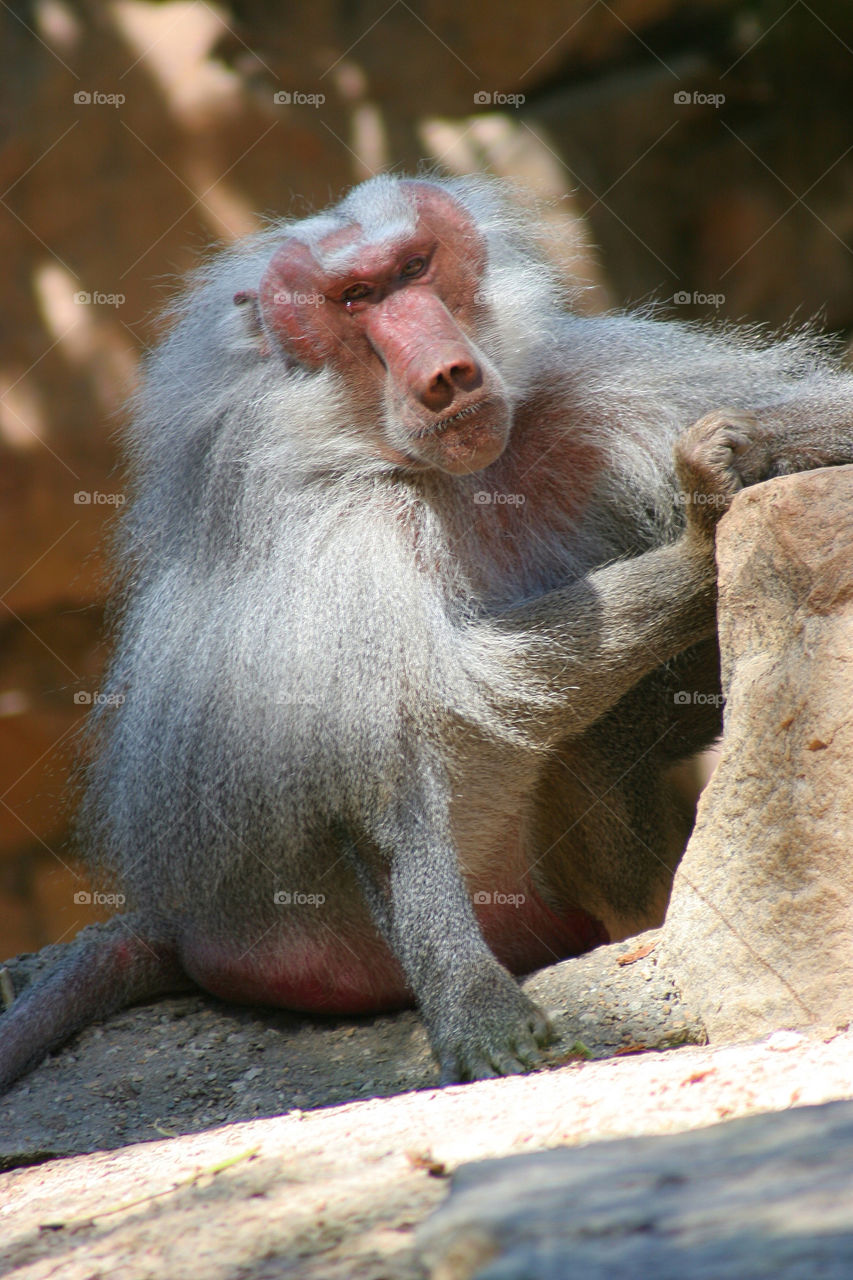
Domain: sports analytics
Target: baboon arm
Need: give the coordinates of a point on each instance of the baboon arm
(480, 1023)
(815, 430)
(594, 640)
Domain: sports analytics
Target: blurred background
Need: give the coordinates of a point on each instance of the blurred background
(694, 152)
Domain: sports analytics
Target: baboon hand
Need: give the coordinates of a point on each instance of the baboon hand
(715, 458)
(495, 1031)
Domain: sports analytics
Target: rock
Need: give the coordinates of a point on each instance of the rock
(759, 932)
(760, 1197)
(336, 1193)
(279, 1060)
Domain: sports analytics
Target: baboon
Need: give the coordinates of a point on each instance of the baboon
(418, 611)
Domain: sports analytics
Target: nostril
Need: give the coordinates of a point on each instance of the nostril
(464, 373)
(438, 392)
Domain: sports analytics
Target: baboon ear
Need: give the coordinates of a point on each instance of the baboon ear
(291, 306)
(250, 311)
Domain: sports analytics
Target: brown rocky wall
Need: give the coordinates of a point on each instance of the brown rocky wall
(694, 152)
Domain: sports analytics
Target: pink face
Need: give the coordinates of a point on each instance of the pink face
(397, 324)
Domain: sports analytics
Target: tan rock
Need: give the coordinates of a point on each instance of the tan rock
(759, 932)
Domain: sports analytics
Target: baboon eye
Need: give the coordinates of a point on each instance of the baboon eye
(414, 267)
(356, 292)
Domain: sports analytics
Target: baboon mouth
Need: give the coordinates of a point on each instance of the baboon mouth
(437, 428)
(465, 441)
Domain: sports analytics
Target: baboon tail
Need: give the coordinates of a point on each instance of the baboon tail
(108, 967)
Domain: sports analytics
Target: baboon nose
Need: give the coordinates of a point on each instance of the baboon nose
(440, 388)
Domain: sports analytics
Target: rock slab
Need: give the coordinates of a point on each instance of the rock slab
(767, 1196)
